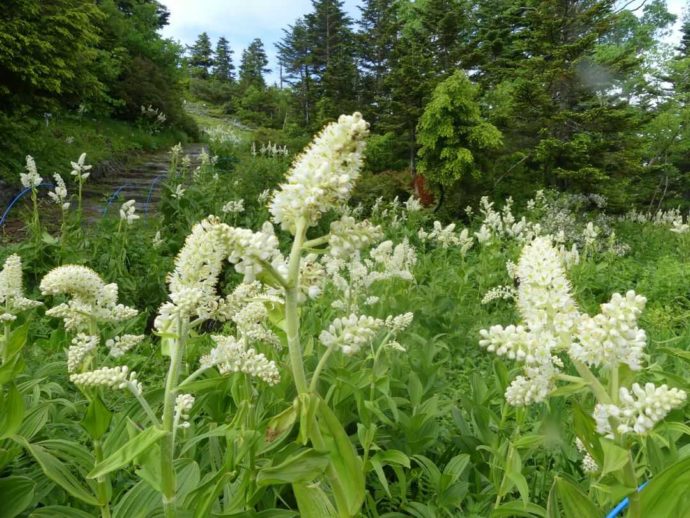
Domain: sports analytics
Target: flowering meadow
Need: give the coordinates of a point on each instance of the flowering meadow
(260, 346)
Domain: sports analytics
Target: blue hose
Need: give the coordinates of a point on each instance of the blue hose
(18, 197)
(623, 505)
(153, 185)
(113, 197)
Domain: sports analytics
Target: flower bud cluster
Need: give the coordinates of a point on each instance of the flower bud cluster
(120, 345)
(323, 176)
(118, 377)
(589, 465)
(246, 249)
(82, 347)
(230, 355)
(59, 194)
(31, 179)
(233, 207)
(446, 237)
(79, 169)
(499, 293)
(348, 235)
(12, 299)
(128, 212)
(351, 333)
(183, 406)
(90, 298)
(612, 337)
(639, 410)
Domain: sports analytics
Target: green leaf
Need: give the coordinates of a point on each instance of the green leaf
(345, 473)
(128, 452)
(17, 340)
(140, 500)
(667, 493)
(575, 503)
(512, 509)
(17, 494)
(304, 466)
(11, 411)
(97, 419)
(52, 511)
(10, 369)
(313, 502)
(57, 471)
(279, 427)
(393, 457)
(615, 457)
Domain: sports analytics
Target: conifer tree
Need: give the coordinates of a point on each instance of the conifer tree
(295, 59)
(224, 69)
(201, 56)
(254, 65)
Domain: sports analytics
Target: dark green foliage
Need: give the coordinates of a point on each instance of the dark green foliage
(452, 133)
(224, 69)
(201, 56)
(254, 65)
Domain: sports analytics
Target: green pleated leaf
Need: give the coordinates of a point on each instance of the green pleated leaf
(573, 501)
(11, 411)
(128, 452)
(57, 471)
(140, 500)
(313, 502)
(346, 473)
(97, 419)
(304, 466)
(53, 511)
(17, 493)
(667, 493)
(17, 340)
(512, 509)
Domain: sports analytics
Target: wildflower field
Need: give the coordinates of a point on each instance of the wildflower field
(260, 346)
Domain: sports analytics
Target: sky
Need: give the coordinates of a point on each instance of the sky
(240, 21)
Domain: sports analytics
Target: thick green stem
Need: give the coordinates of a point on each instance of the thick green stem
(597, 388)
(168, 482)
(101, 482)
(5, 343)
(635, 509)
(292, 310)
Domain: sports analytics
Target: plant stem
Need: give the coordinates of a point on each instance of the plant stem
(168, 482)
(101, 482)
(5, 343)
(291, 309)
(634, 510)
(319, 368)
(597, 388)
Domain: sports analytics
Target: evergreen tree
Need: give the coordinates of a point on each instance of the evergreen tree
(684, 47)
(201, 56)
(379, 27)
(294, 58)
(254, 65)
(224, 69)
(331, 52)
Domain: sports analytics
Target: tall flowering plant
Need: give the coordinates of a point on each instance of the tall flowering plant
(605, 351)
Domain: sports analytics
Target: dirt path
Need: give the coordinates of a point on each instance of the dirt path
(142, 181)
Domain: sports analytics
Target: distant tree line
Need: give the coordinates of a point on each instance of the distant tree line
(491, 94)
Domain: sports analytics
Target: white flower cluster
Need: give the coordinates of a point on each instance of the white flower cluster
(59, 194)
(82, 347)
(322, 177)
(499, 293)
(554, 325)
(118, 377)
(12, 299)
(589, 465)
(31, 179)
(247, 249)
(503, 224)
(90, 298)
(178, 193)
(612, 337)
(639, 409)
(672, 219)
(79, 169)
(120, 345)
(233, 207)
(231, 355)
(251, 320)
(348, 235)
(351, 333)
(183, 405)
(157, 240)
(412, 204)
(590, 234)
(446, 237)
(128, 212)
